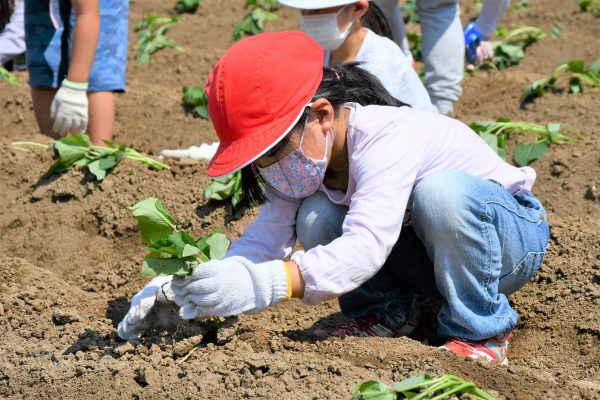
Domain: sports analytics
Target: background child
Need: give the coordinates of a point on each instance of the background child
(339, 29)
(12, 33)
(76, 56)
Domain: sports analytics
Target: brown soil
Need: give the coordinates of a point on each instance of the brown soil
(69, 253)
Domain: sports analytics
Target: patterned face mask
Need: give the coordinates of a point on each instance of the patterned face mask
(297, 175)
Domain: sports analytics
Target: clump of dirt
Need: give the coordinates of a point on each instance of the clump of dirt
(70, 253)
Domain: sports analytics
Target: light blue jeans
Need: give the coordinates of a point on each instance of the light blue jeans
(469, 241)
(443, 46)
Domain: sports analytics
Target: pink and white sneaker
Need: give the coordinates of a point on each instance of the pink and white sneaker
(363, 327)
(493, 349)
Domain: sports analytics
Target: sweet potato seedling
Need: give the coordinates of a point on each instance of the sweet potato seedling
(151, 36)
(510, 49)
(187, 6)
(419, 387)
(496, 133)
(579, 75)
(253, 23)
(172, 252)
(77, 150)
(592, 6)
(195, 97)
(227, 187)
(7, 76)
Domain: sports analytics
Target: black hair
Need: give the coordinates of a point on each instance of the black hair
(6, 9)
(375, 20)
(341, 83)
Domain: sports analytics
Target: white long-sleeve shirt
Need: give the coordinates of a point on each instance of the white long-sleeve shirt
(384, 59)
(390, 150)
(12, 38)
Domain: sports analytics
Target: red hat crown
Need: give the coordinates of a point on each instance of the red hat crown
(256, 93)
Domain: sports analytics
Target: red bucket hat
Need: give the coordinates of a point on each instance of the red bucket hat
(257, 92)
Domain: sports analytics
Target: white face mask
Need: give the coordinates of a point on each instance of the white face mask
(324, 30)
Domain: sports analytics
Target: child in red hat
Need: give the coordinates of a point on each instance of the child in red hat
(392, 205)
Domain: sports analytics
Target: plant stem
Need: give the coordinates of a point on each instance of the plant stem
(35, 144)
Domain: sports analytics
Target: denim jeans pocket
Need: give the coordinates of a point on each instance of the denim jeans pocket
(522, 273)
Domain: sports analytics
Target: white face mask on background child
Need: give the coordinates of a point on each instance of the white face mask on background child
(323, 29)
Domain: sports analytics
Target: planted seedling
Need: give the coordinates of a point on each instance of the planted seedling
(419, 387)
(187, 6)
(592, 6)
(195, 97)
(173, 252)
(77, 150)
(151, 36)
(7, 76)
(579, 74)
(227, 187)
(253, 23)
(496, 134)
(510, 49)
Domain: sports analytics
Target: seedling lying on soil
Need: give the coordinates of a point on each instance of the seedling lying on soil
(496, 133)
(173, 252)
(187, 6)
(579, 76)
(509, 50)
(254, 22)
(196, 97)
(592, 6)
(227, 187)
(419, 387)
(7, 76)
(151, 36)
(76, 150)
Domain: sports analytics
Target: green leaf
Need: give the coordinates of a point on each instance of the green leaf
(218, 244)
(528, 152)
(490, 139)
(8, 77)
(411, 383)
(480, 126)
(556, 30)
(187, 6)
(576, 66)
(373, 390)
(227, 187)
(196, 97)
(101, 165)
(154, 222)
(169, 266)
(595, 67)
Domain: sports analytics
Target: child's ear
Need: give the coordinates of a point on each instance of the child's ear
(324, 111)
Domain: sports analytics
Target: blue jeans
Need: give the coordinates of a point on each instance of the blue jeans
(469, 241)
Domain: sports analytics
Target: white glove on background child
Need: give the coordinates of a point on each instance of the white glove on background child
(235, 285)
(151, 307)
(69, 109)
(202, 152)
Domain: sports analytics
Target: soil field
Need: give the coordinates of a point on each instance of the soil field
(70, 254)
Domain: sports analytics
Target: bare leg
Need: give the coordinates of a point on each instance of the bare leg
(42, 98)
(101, 123)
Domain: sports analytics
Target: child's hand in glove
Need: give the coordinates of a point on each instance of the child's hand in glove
(152, 307)
(232, 286)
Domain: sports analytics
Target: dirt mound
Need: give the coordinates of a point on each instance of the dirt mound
(70, 254)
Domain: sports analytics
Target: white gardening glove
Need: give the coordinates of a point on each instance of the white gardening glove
(69, 109)
(235, 285)
(202, 152)
(152, 307)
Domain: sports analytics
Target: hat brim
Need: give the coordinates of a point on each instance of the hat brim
(233, 156)
(315, 4)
